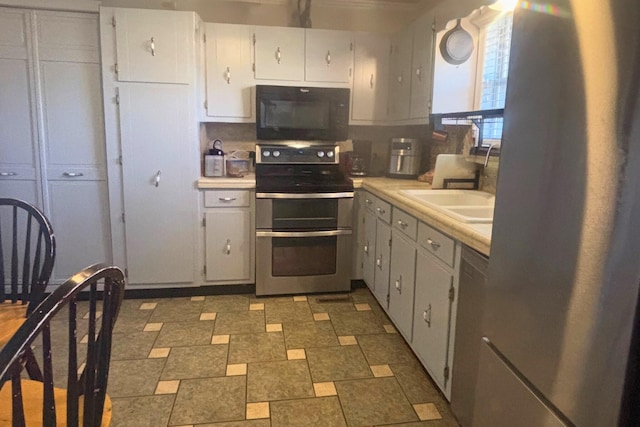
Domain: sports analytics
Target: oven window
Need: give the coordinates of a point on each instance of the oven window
(305, 214)
(304, 256)
(284, 114)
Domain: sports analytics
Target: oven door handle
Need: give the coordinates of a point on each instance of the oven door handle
(326, 233)
(343, 195)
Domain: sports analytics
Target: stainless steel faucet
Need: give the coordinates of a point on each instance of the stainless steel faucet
(492, 146)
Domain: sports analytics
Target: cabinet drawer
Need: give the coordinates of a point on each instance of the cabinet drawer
(224, 198)
(405, 223)
(437, 243)
(382, 210)
(368, 201)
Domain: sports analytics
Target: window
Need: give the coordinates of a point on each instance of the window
(494, 70)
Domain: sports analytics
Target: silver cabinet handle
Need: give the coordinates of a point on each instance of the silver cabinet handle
(371, 81)
(278, 55)
(402, 224)
(226, 199)
(400, 79)
(8, 173)
(328, 57)
(419, 73)
(434, 245)
(227, 247)
(368, 202)
(153, 47)
(366, 248)
(379, 262)
(72, 174)
(380, 211)
(228, 76)
(158, 179)
(398, 284)
(426, 315)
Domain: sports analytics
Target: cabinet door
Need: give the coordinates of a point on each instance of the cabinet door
(79, 214)
(153, 45)
(368, 249)
(73, 126)
(22, 189)
(228, 244)
(371, 77)
(229, 71)
(382, 261)
(400, 75)
(279, 53)
(432, 310)
(422, 69)
(159, 195)
(401, 284)
(17, 100)
(65, 36)
(328, 56)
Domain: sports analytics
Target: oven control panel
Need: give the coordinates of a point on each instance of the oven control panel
(290, 154)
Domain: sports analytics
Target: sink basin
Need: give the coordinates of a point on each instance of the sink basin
(463, 205)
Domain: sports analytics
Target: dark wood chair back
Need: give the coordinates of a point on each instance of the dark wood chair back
(27, 253)
(85, 391)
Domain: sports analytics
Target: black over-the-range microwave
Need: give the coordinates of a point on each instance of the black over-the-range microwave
(302, 113)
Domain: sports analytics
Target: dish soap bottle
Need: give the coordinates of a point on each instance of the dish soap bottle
(214, 159)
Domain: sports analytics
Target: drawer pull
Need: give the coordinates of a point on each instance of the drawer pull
(227, 247)
(402, 224)
(73, 174)
(368, 202)
(398, 285)
(366, 248)
(426, 315)
(380, 211)
(379, 262)
(226, 199)
(434, 245)
(8, 173)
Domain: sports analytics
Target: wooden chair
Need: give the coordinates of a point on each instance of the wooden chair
(84, 401)
(27, 253)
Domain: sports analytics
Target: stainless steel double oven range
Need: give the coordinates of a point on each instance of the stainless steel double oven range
(303, 219)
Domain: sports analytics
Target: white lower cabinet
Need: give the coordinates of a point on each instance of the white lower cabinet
(432, 318)
(376, 251)
(413, 273)
(402, 281)
(159, 196)
(229, 237)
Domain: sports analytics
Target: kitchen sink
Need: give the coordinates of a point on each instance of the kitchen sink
(464, 205)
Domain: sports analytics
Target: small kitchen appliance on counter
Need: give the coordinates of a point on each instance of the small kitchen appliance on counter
(404, 158)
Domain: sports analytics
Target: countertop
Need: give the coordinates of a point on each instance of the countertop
(476, 236)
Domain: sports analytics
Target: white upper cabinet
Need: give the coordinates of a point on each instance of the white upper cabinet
(422, 69)
(13, 34)
(69, 37)
(279, 53)
(229, 74)
(370, 80)
(153, 45)
(400, 75)
(328, 56)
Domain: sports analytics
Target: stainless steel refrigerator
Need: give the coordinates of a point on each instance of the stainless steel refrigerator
(561, 300)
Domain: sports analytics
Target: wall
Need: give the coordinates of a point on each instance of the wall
(375, 19)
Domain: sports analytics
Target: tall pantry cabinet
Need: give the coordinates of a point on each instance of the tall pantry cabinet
(149, 91)
(52, 134)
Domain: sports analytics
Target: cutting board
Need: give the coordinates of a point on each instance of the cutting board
(453, 166)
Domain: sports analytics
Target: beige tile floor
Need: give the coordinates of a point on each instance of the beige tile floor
(242, 361)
